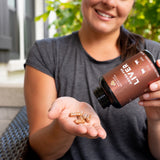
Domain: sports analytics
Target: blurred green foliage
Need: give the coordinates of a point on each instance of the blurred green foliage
(69, 17)
(144, 19)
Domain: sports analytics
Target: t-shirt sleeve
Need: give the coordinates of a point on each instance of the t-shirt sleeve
(42, 56)
(154, 48)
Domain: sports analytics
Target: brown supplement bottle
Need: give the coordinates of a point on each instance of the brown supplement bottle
(128, 80)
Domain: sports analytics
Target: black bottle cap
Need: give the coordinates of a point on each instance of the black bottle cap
(102, 97)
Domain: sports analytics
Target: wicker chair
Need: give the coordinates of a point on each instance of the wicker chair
(14, 141)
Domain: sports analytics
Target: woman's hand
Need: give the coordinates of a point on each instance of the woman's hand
(151, 100)
(61, 110)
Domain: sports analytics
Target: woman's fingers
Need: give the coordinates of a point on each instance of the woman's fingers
(153, 103)
(92, 132)
(91, 122)
(152, 95)
(158, 63)
(155, 86)
(69, 126)
(76, 118)
(91, 129)
(101, 132)
(96, 131)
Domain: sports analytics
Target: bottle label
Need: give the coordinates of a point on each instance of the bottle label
(130, 79)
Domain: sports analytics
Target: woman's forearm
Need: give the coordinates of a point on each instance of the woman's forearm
(154, 138)
(51, 142)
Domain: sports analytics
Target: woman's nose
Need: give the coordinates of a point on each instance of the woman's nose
(110, 3)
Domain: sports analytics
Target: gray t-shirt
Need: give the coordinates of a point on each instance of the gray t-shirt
(77, 74)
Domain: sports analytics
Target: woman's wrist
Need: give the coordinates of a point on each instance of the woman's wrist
(55, 137)
(154, 124)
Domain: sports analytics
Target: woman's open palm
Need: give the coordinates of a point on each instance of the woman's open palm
(64, 106)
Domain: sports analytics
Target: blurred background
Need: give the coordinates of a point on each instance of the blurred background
(24, 21)
(18, 31)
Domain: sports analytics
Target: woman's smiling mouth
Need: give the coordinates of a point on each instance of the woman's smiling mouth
(104, 14)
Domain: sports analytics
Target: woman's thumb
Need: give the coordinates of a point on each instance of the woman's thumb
(55, 110)
(59, 105)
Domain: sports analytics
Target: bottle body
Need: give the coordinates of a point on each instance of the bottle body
(128, 80)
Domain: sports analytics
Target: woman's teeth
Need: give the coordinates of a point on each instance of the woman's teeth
(104, 15)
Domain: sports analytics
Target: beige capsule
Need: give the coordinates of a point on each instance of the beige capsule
(84, 115)
(79, 121)
(81, 117)
(88, 118)
(75, 114)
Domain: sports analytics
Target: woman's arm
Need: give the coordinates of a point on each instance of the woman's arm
(154, 138)
(151, 103)
(45, 136)
(51, 133)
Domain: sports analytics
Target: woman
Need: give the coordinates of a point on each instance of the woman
(60, 77)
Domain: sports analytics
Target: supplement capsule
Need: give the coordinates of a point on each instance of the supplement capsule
(75, 114)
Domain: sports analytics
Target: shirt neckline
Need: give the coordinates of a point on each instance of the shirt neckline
(90, 57)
